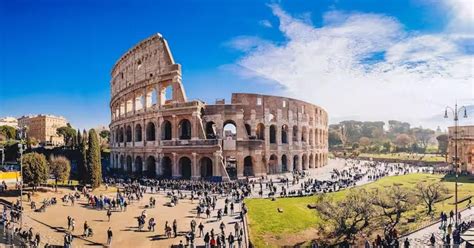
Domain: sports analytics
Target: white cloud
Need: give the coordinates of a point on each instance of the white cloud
(461, 14)
(265, 23)
(363, 64)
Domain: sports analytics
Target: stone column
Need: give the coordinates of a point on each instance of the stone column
(194, 126)
(144, 100)
(216, 164)
(158, 129)
(194, 167)
(289, 163)
(278, 134)
(176, 172)
(158, 169)
(158, 95)
(134, 100)
(174, 129)
(289, 135)
(239, 164)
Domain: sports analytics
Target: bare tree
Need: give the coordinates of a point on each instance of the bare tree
(430, 193)
(390, 204)
(348, 217)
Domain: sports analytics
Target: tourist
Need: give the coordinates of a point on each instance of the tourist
(231, 240)
(109, 237)
(109, 213)
(201, 229)
(175, 228)
(432, 240)
(406, 244)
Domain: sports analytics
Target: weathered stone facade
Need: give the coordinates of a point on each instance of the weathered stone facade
(465, 138)
(154, 134)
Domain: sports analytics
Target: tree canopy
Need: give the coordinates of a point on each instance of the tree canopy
(35, 169)
(94, 166)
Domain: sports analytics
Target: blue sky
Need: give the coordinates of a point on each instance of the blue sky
(55, 56)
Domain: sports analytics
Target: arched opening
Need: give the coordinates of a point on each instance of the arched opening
(206, 167)
(295, 163)
(295, 133)
(138, 165)
(150, 131)
(284, 134)
(129, 164)
(284, 163)
(122, 163)
(166, 130)
(230, 130)
(260, 131)
(248, 166)
(121, 135)
(272, 134)
(304, 161)
(117, 135)
(185, 167)
(150, 167)
(272, 164)
(138, 133)
(248, 129)
(210, 130)
(166, 165)
(311, 161)
(184, 128)
(129, 134)
(231, 166)
(303, 134)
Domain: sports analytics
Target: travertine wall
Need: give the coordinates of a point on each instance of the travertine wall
(155, 134)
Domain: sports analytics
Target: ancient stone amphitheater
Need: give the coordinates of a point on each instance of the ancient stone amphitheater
(158, 132)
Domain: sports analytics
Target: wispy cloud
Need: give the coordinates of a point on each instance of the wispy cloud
(363, 64)
(265, 23)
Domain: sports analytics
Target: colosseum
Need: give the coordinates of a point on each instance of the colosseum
(158, 132)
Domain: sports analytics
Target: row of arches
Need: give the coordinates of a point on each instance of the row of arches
(125, 134)
(148, 167)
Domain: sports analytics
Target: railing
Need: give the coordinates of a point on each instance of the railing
(210, 142)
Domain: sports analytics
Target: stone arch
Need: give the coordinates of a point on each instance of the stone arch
(122, 163)
(129, 164)
(284, 134)
(273, 134)
(304, 131)
(128, 133)
(248, 129)
(150, 169)
(260, 131)
(185, 165)
(166, 130)
(211, 130)
(121, 135)
(311, 161)
(205, 165)
(273, 164)
(248, 166)
(295, 133)
(167, 167)
(295, 162)
(184, 128)
(229, 130)
(304, 161)
(284, 163)
(138, 133)
(138, 165)
(117, 135)
(150, 131)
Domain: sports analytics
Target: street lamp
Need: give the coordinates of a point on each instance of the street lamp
(456, 112)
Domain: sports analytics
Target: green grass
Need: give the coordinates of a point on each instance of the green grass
(266, 223)
(405, 156)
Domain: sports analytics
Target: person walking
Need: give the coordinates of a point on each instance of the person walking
(406, 244)
(109, 237)
(175, 228)
(432, 240)
(201, 229)
(206, 240)
(109, 213)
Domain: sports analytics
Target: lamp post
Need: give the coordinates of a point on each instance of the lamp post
(455, 113)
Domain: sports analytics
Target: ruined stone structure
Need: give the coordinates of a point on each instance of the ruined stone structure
(465, 139)
(157, 131)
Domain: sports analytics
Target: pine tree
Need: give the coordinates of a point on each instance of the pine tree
(94, 166)
(79, 138)
(82, 166)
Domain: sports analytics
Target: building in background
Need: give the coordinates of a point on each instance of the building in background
(465, 145)
(9, 121)
(43, 128)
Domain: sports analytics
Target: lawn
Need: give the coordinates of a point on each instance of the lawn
(405, 156)
(269, 228)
